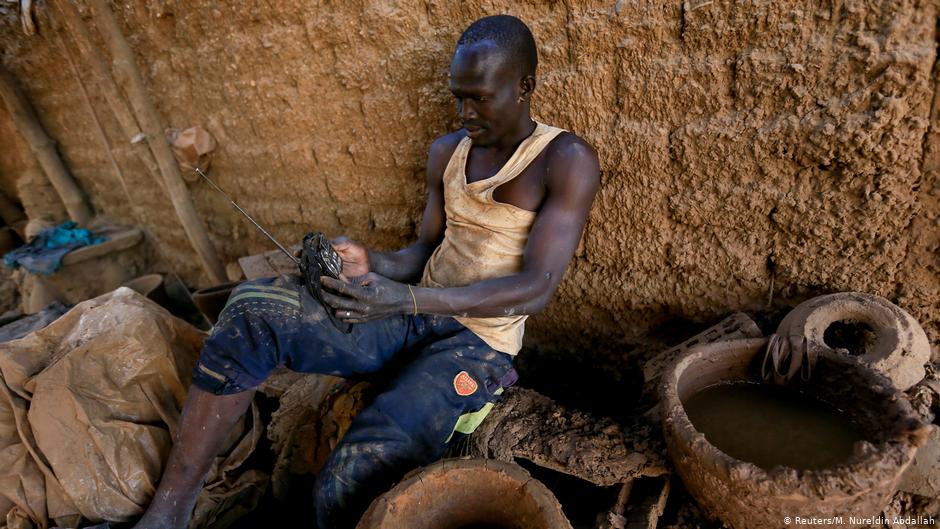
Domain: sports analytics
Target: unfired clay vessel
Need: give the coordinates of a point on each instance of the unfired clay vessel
(900, 348)
(744, 496)
(457, 493)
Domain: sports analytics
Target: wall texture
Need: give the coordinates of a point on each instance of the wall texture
(753, 152)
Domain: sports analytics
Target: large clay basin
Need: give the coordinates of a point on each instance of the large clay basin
(466, 493)
(745, 496)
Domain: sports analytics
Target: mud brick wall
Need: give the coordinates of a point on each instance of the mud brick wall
(751, 150)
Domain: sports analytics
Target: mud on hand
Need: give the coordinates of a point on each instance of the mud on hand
(365, 298)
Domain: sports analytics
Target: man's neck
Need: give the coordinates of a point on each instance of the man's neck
(521, 131)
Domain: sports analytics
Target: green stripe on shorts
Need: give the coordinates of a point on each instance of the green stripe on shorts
(469, 422)
(294, 301)
(275, 290)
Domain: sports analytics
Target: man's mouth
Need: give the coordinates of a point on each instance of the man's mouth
(472, 129)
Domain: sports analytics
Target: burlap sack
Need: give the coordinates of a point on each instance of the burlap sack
(88, 408)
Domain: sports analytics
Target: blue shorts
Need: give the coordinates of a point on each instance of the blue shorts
(446, 379)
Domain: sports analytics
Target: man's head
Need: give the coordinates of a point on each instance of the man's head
(492, 75)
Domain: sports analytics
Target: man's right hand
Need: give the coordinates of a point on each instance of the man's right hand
(355, 257)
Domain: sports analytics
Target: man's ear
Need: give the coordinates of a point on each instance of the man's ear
(526, 87)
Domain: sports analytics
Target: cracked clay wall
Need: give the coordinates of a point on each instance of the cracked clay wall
(752, 152)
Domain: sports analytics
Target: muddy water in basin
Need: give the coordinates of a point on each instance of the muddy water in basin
(772, 425)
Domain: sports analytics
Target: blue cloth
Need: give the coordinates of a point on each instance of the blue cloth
(43, 255)
(442, 371)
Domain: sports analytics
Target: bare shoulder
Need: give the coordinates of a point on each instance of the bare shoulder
(444, 146)
(572, 163)
(441, 150)
(569, 147)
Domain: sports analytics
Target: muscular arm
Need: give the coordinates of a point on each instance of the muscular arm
(571, 182)
(408, 264)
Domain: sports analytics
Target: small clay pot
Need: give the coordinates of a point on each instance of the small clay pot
(151, 286)
(745, 496)
(900, 346)
(210, 301)
(458, 493)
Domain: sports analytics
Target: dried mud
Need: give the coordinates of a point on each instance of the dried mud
(750, 152)
(531, 426)
(313, 415)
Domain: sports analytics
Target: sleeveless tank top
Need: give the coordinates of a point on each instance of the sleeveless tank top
(485, 239)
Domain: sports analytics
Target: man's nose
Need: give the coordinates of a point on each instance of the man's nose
(466, 111)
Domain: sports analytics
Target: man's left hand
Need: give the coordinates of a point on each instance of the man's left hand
(366, 297)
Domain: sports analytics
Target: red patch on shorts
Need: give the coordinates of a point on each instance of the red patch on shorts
(464, 384)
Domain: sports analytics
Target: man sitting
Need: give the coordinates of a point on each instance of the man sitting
(507, 202)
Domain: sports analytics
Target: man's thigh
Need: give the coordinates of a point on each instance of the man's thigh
(274, 321)
(445, 391)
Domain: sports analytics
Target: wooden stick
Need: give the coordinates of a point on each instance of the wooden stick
(124, 62)
(118, 173)
(135, 209)
(109, 89)
(623, 497)
(27, 122)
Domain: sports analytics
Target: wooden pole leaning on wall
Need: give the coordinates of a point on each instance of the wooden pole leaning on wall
(43, 147)
(82, 35)
(125, 66)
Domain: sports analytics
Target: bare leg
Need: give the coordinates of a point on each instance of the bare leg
(206, 422)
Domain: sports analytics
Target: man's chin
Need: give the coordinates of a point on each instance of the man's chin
(481, 140)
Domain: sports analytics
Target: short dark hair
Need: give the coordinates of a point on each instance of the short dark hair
(510, 34)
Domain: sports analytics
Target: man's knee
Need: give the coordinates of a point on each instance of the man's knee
(242, 349)
(271, 300)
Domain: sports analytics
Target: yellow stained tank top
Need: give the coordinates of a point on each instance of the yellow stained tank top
(485, 239)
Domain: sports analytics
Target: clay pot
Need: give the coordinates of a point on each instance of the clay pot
(745, 496)
(898, 346)
(210, 301)
(460, 493)
(151, 286)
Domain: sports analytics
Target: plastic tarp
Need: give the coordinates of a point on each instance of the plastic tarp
(88, 409)
(32, 322)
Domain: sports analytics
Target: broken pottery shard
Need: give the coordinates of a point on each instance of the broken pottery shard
(314, 413)
(647, 505)
(735, 326)
(192, 148)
